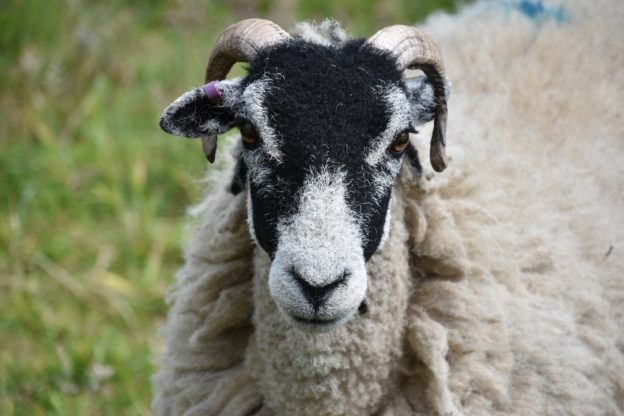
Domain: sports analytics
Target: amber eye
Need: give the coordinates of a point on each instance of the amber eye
(400, 143)
(248, 133)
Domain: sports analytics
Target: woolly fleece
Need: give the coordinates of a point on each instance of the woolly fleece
(500, 290)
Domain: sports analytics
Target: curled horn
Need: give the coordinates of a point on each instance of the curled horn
(415, 49)
(240, 42)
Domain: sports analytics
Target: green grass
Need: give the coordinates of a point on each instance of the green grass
(93, 195)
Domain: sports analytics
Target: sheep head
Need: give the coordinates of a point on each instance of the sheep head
(324, 129)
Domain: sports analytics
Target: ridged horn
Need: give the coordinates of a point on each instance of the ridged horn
(414, 49)
(240, 42)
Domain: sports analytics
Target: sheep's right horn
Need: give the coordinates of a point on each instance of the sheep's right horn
(241, 42)
(415, 49)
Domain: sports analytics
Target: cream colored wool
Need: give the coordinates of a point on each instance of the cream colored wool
(501, 288)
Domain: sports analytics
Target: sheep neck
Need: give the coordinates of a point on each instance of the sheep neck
(349, 370)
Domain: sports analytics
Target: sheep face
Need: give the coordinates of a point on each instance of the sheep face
(324, 131)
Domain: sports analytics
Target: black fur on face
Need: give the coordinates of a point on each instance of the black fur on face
(328, 106)
(315, 108)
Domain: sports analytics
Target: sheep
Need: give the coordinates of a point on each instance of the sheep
(495, 286)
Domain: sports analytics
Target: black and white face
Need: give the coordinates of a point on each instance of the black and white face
(324, 133)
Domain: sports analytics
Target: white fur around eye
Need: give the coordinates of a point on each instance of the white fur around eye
(400, 120)
(255, 110)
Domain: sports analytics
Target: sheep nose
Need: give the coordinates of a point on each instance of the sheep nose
(318, 294)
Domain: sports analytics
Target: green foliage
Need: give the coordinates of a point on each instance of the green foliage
(93, 195)
(364, 17)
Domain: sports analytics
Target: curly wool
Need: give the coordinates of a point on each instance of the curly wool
(499, 290)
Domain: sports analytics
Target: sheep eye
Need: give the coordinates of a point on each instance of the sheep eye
(400, 142)
(248, 133)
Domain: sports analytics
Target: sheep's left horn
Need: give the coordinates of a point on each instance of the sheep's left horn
(415, 49)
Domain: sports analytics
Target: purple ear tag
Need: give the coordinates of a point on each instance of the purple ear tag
(212, 92)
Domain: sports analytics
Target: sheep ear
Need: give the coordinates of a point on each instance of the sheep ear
(194, 115)
(422, 99)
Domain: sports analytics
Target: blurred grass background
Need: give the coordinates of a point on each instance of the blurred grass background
(93, 194)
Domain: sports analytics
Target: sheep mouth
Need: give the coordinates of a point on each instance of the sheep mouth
(315, 321)
(316, 324)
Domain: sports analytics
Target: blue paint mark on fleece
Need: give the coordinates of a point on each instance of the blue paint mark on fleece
(535, 10)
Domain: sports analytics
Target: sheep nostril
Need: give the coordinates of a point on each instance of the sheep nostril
(318, 294)
(363, 308)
